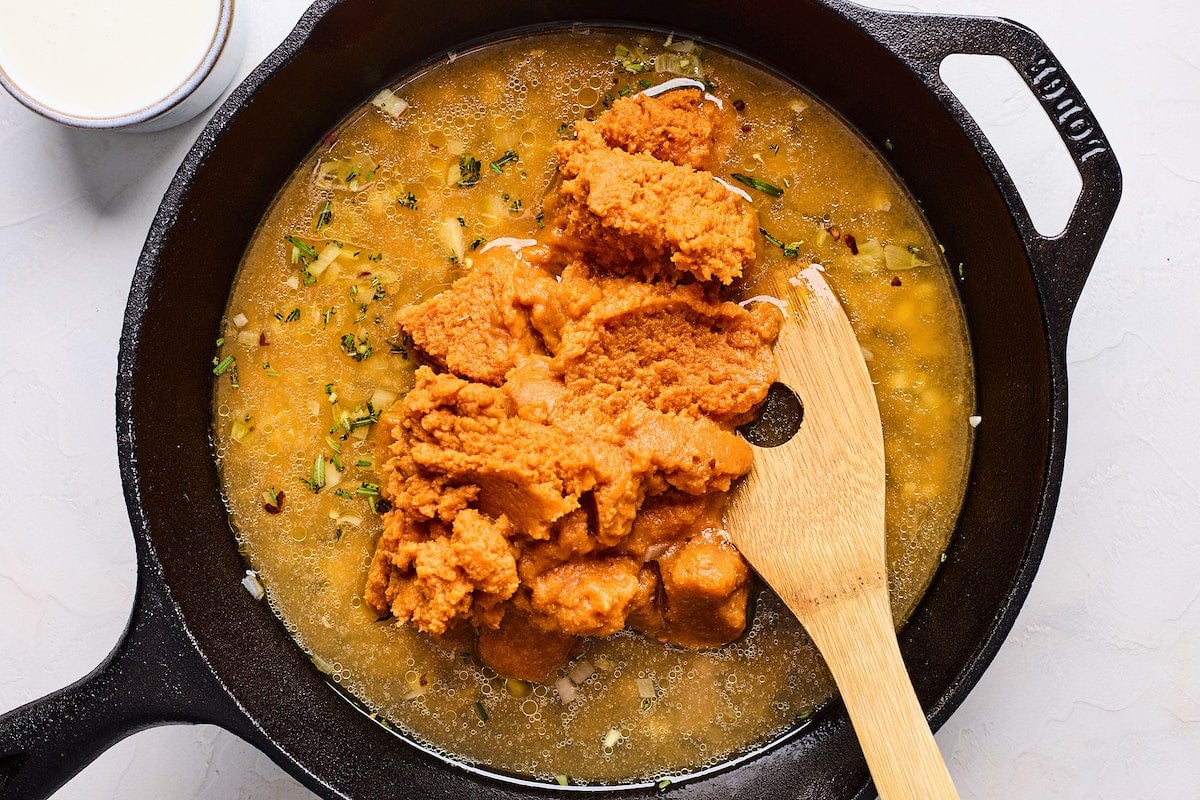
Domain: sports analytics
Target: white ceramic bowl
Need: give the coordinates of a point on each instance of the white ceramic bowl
(191, 95)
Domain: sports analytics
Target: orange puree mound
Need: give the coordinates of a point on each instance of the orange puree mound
(682, 127)
(634, 214)
(560, 466)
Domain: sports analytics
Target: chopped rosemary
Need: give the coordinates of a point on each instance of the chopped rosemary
(792, 249)
(476, 242)
(562, 780)
(468, 169)
(770, 239)
(515, 206)
(407, 200)
(503, 161)
(224, 364)
(334, 445)
(369, 489)
(317, 481)
(379, 505)
(325, 216)
(399, 345)
(759, 185)
(541, 219)
(342, 493)
(481, 711)
(271, 373)
(328, 315)
(377, 285)
(364, 462)
(376, 257)
(302, 252)
(359, 350)
(293, 315)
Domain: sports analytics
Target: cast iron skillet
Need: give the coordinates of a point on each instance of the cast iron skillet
(199, 649)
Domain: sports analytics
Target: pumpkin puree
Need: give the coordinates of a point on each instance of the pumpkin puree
(560, 467)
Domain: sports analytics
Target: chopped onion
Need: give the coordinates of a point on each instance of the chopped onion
(798, 106)
(240, 320)
(974, 420)
(765, 298)
(333, 477)
(740, 192)
(566, 690)
(248, 338)
(685, 46)
(581, 671)
(646, 688)
(686, 64)
(604, 664)
(511, 242)
(452, 235)
(253, 585)
(239, 430)
(898, 258)
(292, 283)
(417, 686)
(387, 102)
(869, 258)
(381, 399)
(347, 519)
(611, 738)
(323, 665)
(328, 255)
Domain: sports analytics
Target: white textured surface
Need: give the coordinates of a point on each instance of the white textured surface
(1096, 694)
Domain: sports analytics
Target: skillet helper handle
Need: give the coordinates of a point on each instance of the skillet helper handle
(857, 639)
(1062, 261)
(153, 676)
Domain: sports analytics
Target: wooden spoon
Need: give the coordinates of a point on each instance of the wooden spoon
(809, 519)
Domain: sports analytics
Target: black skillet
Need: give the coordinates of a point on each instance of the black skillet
(200, 649)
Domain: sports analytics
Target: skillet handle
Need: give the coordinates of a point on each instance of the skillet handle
(153, 676)
(1061, 262)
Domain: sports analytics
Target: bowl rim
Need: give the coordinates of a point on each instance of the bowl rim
(200, 73)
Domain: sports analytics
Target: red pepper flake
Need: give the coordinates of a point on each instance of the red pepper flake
(329, 139)
(277, 506)
(747, 127)
(896, 280)
(262, 339)
(835, 232)
(852, 243)
(740, 105)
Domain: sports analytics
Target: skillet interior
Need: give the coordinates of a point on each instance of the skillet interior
(230, 179)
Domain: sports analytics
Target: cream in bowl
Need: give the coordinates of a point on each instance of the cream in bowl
(128, 64)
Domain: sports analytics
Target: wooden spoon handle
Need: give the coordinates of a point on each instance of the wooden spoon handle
(856, 636)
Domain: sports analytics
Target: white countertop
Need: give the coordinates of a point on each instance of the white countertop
(1095, 694)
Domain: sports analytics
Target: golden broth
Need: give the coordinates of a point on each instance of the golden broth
(296, 378)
